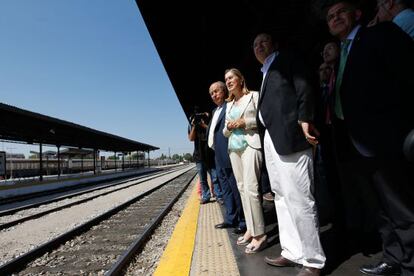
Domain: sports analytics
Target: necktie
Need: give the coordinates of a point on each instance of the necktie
(342, 62)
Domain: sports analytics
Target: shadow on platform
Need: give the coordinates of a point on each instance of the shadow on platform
(345, 250)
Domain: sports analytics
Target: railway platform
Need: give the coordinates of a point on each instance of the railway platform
(197, 248)
(10, 189)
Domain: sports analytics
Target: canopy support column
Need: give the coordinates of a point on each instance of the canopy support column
(94, 161)
(115, 160)
(81, 162)
(40, 162)
(58, 157)
(137, 159)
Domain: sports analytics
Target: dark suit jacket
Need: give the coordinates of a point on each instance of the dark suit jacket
(285, 98)
(220, 141)
(377, 90)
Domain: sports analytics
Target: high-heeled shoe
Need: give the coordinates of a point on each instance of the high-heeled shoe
(242, 241)
(251, 249)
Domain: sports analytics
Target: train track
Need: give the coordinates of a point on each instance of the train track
(21, 198)
(13, 222)
(105, 243)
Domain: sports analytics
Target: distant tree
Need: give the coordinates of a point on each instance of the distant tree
(176, 157)
(188, 157)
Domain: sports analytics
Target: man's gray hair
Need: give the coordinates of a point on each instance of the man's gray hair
(223, 86)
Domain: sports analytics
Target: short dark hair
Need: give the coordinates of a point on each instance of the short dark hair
(268, 34)
(330, 40)
(329, 3)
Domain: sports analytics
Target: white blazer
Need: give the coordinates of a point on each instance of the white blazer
(248, 105)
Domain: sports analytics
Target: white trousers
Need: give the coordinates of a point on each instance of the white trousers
(246, 168)
(291, 179)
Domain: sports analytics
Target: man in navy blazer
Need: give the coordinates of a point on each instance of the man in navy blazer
(376, 97)
(216, 140)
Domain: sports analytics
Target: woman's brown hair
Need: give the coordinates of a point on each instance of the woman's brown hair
(237, 72)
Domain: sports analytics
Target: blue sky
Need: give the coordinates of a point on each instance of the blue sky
(91, 62)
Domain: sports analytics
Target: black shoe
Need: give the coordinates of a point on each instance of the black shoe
(239, 230)
(204, 201)
(220, 201)
(223, 225)
(381, 268)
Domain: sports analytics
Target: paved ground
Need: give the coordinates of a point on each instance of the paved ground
(339, 263)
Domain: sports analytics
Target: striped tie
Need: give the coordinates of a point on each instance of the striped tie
(342, 62)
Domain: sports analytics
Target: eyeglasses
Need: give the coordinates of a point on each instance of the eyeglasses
(259, 42)
(338, 13)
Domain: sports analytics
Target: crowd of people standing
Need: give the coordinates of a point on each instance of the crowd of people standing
(349, 131)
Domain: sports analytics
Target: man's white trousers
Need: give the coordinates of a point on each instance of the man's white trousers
(291, 179)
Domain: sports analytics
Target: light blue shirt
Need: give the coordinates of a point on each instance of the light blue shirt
(266, 65)
(237, 141)
(405, 20)
(268, 61)
(351, 36)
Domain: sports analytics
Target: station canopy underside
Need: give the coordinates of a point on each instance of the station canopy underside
(33, 128)
(197, 40)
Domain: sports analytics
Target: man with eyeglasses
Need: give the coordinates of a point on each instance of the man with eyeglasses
(397, 11)
(374, 98)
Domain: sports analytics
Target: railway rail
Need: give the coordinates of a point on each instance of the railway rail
(17, 198)
(8, 219)
(107, 242)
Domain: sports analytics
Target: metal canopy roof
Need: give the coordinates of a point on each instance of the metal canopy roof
(21, 125)
(198, 40)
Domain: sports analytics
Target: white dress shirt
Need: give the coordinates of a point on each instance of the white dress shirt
(213, 126)
(266, 65)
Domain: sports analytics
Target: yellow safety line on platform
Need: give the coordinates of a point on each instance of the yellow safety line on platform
(176, 259)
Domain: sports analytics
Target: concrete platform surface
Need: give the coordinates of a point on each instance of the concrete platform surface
(215, 252)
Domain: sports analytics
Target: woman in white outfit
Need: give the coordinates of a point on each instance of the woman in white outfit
(245, 156)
